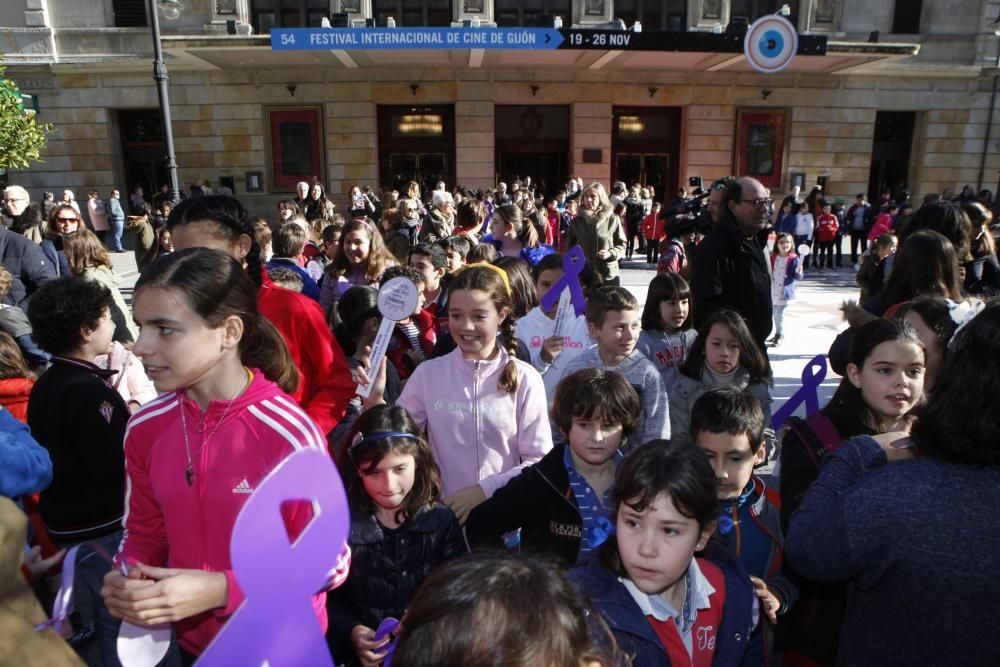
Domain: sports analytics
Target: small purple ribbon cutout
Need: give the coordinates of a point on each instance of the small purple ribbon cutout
(573, 263)
(812, 377)
(276, 624)
(387, 627)
(63, 605)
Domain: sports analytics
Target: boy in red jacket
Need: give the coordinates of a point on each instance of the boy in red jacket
(826, 232)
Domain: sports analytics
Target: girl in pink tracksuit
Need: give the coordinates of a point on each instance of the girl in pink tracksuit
(195, 454)
(484, 410)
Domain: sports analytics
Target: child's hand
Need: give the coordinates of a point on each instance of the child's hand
(39, 566)
(768, 599)
(551, 348)
(154, 595)
(466, 500)
(360, 376)
(363, 640)
(896, 445)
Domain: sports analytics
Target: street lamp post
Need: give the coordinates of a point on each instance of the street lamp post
(172, 9)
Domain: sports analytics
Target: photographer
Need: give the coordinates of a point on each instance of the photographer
(361, 204)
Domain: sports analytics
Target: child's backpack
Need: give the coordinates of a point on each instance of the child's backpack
(818, 435)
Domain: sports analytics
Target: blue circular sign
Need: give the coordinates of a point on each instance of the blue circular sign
(770, 44)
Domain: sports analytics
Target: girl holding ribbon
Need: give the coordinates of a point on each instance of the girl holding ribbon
(194, 455)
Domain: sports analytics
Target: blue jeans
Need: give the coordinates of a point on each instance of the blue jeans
(91, 566)
(117, 228)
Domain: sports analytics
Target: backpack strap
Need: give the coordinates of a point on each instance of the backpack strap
(817, 434)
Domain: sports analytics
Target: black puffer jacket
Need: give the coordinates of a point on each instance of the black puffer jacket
(387, 568)
(541, 503)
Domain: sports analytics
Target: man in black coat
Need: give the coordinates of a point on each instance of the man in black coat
(730, 268)
(19, 255)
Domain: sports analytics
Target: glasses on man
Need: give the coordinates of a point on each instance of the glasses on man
(760, 202)
(13, 199)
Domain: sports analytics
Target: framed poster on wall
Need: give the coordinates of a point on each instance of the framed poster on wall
(295, 146)
(760, 144)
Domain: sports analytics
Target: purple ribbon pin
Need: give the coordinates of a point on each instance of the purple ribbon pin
(276, 624)
(573, 263)
(812, 377)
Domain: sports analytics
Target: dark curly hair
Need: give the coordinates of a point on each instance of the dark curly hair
(60, 309)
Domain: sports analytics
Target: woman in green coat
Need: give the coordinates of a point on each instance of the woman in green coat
(599, 232)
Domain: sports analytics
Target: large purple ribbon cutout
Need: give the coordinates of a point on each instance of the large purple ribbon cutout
(812, 377)
(573, 263)
(276, 623)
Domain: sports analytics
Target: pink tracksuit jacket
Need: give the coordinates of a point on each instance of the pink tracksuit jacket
(168, 523)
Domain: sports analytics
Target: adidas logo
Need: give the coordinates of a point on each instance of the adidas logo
(243, 487)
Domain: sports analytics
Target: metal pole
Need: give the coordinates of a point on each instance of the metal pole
(160, 75)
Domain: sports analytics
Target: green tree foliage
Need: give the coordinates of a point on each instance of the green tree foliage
(22, 137)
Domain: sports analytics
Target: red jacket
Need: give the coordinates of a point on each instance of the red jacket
(14, 394)
(170, 523)
(826, 227)
(652, 227)
(325, 385)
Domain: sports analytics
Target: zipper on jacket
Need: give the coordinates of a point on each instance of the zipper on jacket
(475, 413)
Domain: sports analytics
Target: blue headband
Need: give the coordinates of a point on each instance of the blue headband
(360, 438)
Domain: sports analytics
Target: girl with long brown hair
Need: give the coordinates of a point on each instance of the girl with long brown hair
(88, 259)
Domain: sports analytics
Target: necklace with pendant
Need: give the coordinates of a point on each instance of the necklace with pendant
(189, 470)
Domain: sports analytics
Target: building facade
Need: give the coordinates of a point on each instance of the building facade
(902, 98)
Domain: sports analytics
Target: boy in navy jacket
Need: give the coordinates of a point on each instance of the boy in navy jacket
(728, 426)
(663, 605)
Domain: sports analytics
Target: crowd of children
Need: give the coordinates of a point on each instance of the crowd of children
(527, 485)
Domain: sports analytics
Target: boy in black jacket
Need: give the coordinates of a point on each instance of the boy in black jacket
(562, 503)
(80, 419)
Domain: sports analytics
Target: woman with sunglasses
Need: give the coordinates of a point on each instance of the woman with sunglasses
(61, 221)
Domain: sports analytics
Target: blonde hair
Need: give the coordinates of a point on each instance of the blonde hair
(604, 203)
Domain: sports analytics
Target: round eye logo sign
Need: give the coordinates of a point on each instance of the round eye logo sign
(770, 44)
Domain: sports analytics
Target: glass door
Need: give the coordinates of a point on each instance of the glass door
(647, 169)
(424, 168)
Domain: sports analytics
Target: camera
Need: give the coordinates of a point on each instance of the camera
(689, 216)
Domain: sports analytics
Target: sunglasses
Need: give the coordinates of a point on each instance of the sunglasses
(67, 219)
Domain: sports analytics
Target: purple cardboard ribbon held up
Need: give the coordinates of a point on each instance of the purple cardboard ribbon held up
(812, 377)
(276, 623)
(573, 263)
